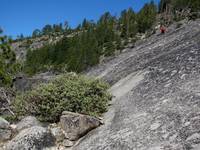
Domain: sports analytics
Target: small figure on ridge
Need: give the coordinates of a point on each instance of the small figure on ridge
(162, 29)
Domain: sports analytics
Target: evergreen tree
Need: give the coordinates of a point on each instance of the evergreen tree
(85, 24)
(89, 41)
(146, 17)
(36, 33)
(47, 29)
(8, 66)
(128, 23)
(57, 28)
(163, 5)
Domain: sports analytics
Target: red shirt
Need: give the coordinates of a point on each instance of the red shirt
(162, 29)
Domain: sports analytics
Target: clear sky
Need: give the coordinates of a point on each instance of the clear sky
(23, 16)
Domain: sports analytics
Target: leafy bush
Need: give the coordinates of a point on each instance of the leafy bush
(10, 118)
(69, 92)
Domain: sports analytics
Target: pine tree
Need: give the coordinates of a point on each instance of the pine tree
(146, 17)
(163, 5)
(47, 29)
(128, 23)
(8, 66)
(36, 33)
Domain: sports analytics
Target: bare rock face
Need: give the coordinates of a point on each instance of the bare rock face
(5, 130)
(34, 138)
(157, 95)
(27, 122)
(77, 125)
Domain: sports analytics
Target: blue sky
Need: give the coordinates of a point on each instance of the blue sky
(23, 16)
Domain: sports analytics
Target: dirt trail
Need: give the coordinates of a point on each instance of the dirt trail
(157, 95)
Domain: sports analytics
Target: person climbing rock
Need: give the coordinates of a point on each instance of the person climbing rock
(162, 29)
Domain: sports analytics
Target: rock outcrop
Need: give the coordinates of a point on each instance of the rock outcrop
(34, 138)
(156, 87)
(5, 130)
(57, 132)
(30, 134)
(77, 125)
(27, 122)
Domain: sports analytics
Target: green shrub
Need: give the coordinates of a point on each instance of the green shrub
(69, 92)
(10, 118)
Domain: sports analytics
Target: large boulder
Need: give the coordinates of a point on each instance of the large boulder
(57, 132)
(5, 130)
(27, 122)
(34, 138)
(77, 125)
(4, 124)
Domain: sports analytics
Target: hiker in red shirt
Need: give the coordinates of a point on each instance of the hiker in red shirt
(162, 29)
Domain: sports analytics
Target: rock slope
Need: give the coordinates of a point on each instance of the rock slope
(157, 95)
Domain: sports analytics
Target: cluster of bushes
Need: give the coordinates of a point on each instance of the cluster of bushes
(69, 92)
(90, 41)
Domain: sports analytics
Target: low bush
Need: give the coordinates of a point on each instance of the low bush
(68, 92)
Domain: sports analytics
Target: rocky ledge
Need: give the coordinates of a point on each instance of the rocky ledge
(30, 134)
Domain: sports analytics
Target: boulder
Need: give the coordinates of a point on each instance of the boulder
(34, 138)
(4, 124)
(57, 132)
(5, 134)
(67, 143)
(77, 125)
(27, 122)
(5, 130)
